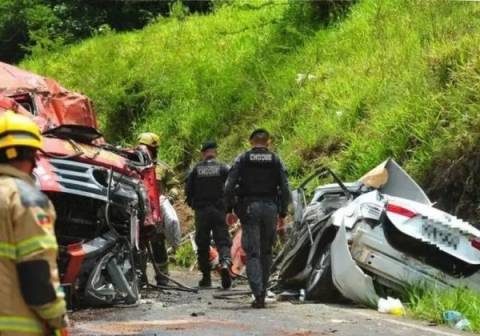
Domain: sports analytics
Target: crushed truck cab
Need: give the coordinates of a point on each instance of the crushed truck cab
(106, 198)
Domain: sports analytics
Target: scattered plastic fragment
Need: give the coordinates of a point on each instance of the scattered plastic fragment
(302, 295)
(269, 298)
(391, 306)
(456, 320)
(301, 78)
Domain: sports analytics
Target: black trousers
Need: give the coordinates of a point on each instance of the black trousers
(210, 220)
(259, 220)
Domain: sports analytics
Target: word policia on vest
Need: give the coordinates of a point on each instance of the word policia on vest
(208, 170)
(261, 157)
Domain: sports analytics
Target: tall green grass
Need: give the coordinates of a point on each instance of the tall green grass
(392, 78)
(430, 304)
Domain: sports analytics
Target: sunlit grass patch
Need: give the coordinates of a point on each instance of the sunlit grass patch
(429, 303)
(185, 255)
(390, 78)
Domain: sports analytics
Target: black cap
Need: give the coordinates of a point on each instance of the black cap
(209, 145)
(258, 131)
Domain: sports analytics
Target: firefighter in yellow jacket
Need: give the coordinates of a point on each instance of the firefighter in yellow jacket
(31, 300)
(166, 182)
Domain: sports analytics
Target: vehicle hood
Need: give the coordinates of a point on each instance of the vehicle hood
(86, 153)
(56, 105)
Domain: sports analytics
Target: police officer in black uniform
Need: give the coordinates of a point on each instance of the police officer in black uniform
(205, 194)
(257, 189)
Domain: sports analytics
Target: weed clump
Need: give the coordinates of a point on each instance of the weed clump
(429, 304)
(185, 255)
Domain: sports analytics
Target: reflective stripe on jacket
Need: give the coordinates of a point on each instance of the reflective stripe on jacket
(20, 325)
(26, 234)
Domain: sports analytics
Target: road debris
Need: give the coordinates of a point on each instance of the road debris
(456, 320)
(234, 318)
(391, 306)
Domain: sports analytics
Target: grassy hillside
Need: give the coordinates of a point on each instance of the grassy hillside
(394, 78)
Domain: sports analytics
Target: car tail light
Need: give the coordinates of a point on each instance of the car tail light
(475, 243)
(399, 210)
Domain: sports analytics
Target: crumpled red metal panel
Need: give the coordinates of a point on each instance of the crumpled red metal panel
(14, 81)
(58, 106)
(73, 108)
(149, 179)
(10, 104)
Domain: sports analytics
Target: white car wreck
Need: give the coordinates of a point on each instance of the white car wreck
(382, 233)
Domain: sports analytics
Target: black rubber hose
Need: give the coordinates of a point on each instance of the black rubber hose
(158, 272)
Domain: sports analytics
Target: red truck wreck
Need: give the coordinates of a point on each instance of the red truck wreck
(106, 198)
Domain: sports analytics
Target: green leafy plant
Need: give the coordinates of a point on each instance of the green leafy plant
(178, 10)
(185, 255)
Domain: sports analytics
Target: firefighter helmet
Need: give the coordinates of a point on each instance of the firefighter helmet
(17, 130)
(149, 139)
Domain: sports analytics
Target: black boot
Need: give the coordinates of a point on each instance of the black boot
(225, 274)
(161, 280)
(259, 302)
(206, 281)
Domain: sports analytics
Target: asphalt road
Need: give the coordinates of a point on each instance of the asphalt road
(175, 313)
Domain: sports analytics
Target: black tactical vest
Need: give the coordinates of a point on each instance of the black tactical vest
(259, 174)
(209, 181)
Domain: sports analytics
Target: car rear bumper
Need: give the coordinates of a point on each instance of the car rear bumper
(372, 252)
(350, 279)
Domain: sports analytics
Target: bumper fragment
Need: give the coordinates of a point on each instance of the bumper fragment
(350, 280)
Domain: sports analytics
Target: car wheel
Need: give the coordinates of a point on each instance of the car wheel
(320, 286)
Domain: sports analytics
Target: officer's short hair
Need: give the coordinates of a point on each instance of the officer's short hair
(209, 145)
(260, 135)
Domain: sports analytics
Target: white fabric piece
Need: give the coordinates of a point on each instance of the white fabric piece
(171, 224)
